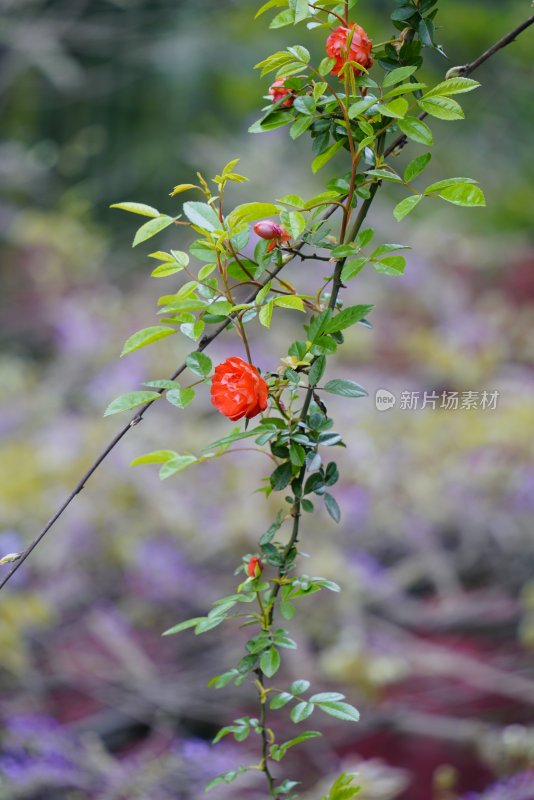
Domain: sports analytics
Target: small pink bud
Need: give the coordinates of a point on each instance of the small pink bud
(268, 229)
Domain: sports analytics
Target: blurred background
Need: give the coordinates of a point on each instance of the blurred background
(110, 100)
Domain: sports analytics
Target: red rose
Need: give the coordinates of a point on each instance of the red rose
(254, 567)
(349, 44)
(270, 230)
(238, 390)
(277, 90)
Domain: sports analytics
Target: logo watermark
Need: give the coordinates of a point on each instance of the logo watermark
(450, 401)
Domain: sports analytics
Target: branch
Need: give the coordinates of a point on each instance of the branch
(400, 142)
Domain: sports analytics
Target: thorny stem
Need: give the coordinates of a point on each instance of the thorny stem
(398, 143)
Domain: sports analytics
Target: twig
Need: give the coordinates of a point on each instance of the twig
(467, 69)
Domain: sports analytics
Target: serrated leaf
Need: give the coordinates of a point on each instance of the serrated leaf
(183, 626)
(180, 397)
(322, 159)
(266, 313)
(345, 388)
(340, 710)
(416, 166)
(391, 265)
(453, 86)
(396, 108)
(137, 208)
(270, 662)
(442, 107)
(406, 206)
(248, 212)
(289, 301)
(145, 337)
(151, 228)
(175, 465)
(202, 215)
(417, 130)
(465, 194)
(347, 317)
(155, 457)
(125, 402)
(332, 506)
(301, 711)
(398, 75)
(199, 363)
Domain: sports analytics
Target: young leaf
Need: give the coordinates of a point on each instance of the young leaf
(175, 465)
(301, 711)
(183, 626)
(453, 86)
(398, 75)
(414, 129)
(332, 507)
(465, 194)
(146, 336)
(416, 166)
(199, 363)
(340, 710)
(137, 208)
(202, 215)
(151, 228)
(270, 662)
(125, 402)
(406, 206)
(441, 107)
(155, 457)
(347, 317)
(345, 388)
(322, 159)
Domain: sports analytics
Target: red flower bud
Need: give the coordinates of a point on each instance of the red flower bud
(268, 229)
(277, 90)
(254, 567)
(349, 44)
(238, 390)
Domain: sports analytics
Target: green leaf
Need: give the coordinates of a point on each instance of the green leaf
(392, 265)
(360, 106)
(278, 751)
(162, 383)
(193, 330)
(283, 19)
(175, 465)
(340, 710)
(465, 194)
(280, 700)
(396, 109)
(384, 174)
(300, 126)
(416, 166)
(202, 215)
(414, 129)
(453, 86)
(442, 107)
(406, 206)
(347, 317)
(289, 301)
(266, 313)
(301, 711)
(281, 477)
(317, 370)
(300, 686)
(352, 268)
(248, 212)
(326, 697)
(332, 507)
(344, 388)
(146, 336)
(302, 11)
(155, 457)
(271, 121)
(438, 186)
(151, 228)
(398, 75)
(137, 208)
(125, 402)
(326, 66)
(227, 777)
(182, 626)
(322, 159)
(270, 4)
(199, 363)
(270, 662)
(180, 397)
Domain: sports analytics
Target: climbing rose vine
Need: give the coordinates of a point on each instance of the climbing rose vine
(234, 280)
